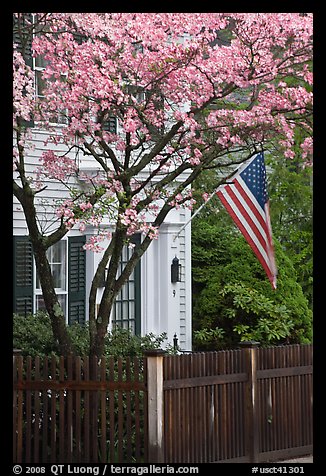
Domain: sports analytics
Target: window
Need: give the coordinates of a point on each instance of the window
(126, 309)
(153, 103)
(57, 256)
(39, 64)
(40, 85)
(67, 260)
(110, 124)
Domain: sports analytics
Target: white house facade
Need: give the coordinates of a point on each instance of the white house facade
(148, 303)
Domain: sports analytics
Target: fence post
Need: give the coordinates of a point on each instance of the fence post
(17, 352)
(155, 405)
(17, 412)
(251, 400)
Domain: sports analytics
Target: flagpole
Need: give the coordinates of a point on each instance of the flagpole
(210, 197)
(193, 216)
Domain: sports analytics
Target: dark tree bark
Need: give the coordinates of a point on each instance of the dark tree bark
(40, 244)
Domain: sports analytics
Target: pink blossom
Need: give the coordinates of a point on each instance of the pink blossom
(92, 243)
(82, 227)
(289, 153)
(130, 125)
(150, 98)
(56, 166)
(23, 88)
(85, 206)
(205, 196)
(307, 147)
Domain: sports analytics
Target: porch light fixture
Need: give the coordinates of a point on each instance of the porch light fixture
(175, 270)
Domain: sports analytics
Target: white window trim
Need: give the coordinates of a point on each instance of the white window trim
(36, 69)
(59, 291)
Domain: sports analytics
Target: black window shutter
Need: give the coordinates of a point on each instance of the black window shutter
(76, 280)
(110, 124)
(23, 36)
(136, 239)
(23, 276)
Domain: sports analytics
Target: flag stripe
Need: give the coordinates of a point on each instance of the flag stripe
(250, 201)
(250, 215)
(257, 249)
(242, 223)
(270, 240)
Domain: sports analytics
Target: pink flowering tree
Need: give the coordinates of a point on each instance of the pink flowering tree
(188, 91)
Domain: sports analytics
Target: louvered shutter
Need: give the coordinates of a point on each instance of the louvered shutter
(22, 36)
(76, 280)
(23, 276)
(110, 125)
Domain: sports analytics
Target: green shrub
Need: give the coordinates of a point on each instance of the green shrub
(235, 302)
(33, 336)
(120, 342)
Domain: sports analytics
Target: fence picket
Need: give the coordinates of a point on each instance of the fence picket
(62, 432)
(120, 414)
(128, 410)
(36, 425)
(19, 411)
(103, 458)
(94, 401)
(70, 434)
(77, 413)
(111, 411)
(137, 409)
(53, 410)
(28, 400)
(86, 453)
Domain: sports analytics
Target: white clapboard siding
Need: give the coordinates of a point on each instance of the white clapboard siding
(46, 201)
(166, 307)
(182, 313)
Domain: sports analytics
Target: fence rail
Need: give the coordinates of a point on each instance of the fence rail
(251, 404)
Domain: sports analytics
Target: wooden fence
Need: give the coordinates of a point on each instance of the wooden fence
(79, 410)
(244, 405)
(249, 405)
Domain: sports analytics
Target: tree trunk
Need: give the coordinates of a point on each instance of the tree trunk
(52, 304)
(110, 292)
(40, 244)
(97, 346)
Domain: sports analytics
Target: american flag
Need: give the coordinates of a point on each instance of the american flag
(246, 199)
